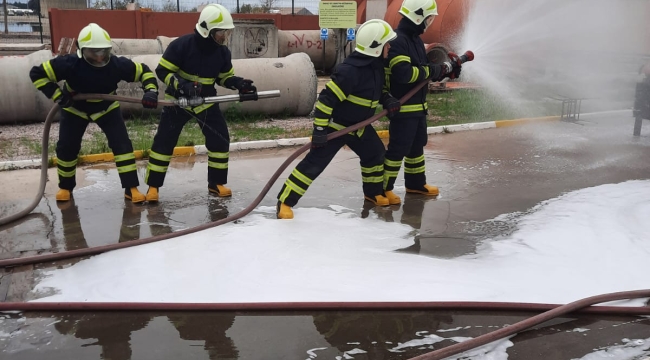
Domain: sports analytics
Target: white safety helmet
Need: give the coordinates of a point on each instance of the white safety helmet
(94, 45)
(372, 36)
(418, 10)
(214, 17)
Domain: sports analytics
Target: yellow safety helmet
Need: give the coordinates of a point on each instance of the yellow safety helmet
(94, 45)
(214, 16)
(372, 36)
(418, 10)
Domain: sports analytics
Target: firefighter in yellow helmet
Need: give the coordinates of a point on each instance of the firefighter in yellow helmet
(191, 66)
(93, 70)
(356, 88)
(407, 64)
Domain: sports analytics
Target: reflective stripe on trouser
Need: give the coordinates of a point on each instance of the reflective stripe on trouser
(368, 147)
(71, 130)
(408, 136)
(217, 141)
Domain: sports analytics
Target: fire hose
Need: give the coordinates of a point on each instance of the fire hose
(551, 310)
(468, 56)
(101, 249)
(181, 102)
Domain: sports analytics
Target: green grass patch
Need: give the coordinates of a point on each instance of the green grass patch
(445, 108)
(36, 146)
(469, 106)
(242, 127)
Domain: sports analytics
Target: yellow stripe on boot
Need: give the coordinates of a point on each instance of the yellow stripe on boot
(134, 195)
(283, 211)
(379, 200)
(63, 195)
(152, 194)
(393, 199)
(220, 190)
(426, 190)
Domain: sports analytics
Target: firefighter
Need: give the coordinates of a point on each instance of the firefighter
(356, 88)
(191, 66)
(93, 70)
(407, 65)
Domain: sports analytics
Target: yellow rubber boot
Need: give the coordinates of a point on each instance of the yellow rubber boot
(284, 211)
(379, 200)
(152, 194)
(134, 195)
(393, 199)
(220, 190)
(426, 190)
(63, 195)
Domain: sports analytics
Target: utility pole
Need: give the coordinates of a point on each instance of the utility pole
(6, 20)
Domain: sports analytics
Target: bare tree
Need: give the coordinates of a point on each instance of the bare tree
(268, 5)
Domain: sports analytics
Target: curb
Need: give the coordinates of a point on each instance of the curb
(269, 144)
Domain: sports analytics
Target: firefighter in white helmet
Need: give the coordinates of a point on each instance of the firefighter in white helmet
(408, 65)
(191, 67)
(356, 88)
(93, 70)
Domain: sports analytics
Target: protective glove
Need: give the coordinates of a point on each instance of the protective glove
(245, 86)
(189, 89)
(455, 72)
(450, 69)
(150, 100)
(319, 137)
(391, 104)
(456, 66)
(65, 100)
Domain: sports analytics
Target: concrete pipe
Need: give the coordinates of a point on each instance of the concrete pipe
(310, 43)
(136, 46)
(164, 43)
(293, 75)
(141, 46)
(250, 39)
(20, 101)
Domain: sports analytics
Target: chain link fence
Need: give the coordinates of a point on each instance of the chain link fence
(24, 27)
(285, 7)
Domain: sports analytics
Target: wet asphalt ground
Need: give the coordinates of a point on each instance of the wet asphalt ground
(481, 174)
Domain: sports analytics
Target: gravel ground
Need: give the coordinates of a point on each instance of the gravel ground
(21, 142)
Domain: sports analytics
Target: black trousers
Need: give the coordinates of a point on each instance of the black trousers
(408, 136)
(367, 146)
(217, 140)
(71, 131)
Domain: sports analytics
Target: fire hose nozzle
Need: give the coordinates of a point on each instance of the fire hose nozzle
(467, 56)
(185, 102)
(196, 101)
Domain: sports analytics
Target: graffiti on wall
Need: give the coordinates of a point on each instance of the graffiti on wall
(256, 42)
(300, 42)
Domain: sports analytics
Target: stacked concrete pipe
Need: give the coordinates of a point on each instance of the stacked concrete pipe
(293, 75)
(321, 52)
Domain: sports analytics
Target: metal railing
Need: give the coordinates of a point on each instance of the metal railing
(28, 28)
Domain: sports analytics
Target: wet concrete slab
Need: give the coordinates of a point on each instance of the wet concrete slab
(481, 174)
(299, 335)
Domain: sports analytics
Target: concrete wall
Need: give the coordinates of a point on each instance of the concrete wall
(126, 24)
(375, 9)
